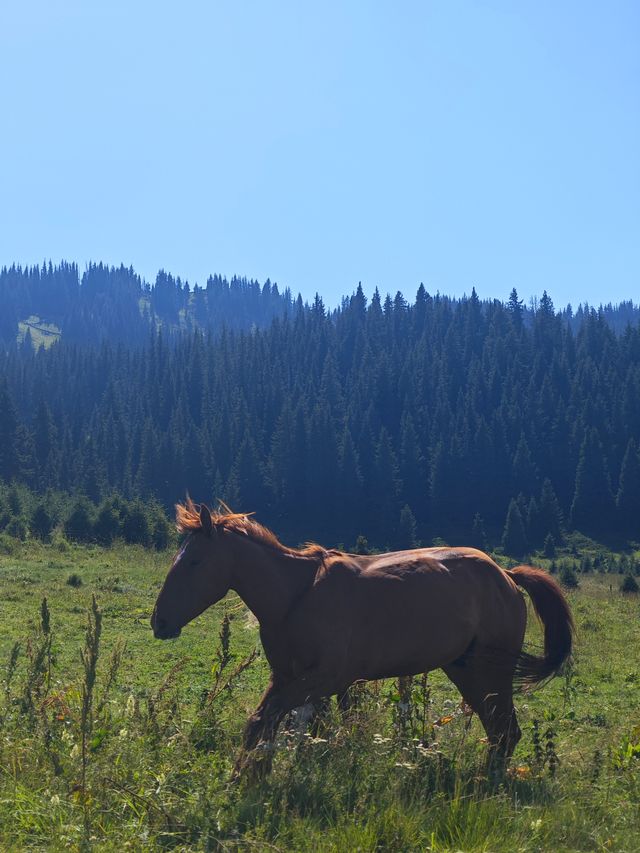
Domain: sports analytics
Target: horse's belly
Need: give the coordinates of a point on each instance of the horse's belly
(407, 630)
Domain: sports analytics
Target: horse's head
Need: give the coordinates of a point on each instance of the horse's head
(200, 576)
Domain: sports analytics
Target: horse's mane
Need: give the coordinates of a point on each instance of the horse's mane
(188, 520)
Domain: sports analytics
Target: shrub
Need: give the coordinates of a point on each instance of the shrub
(160, 532)
(5, 514)
(17, 528)
(74, 580)
(568, 576)
(41, 522)
(7, 545)
(107, 524)
(79, 524)
(629, 584)
(135, 526)
(362, 545)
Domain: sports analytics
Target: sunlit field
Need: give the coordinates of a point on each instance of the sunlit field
(141, 758)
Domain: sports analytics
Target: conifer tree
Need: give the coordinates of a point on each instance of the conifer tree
(41, 523)
(514, 540)
(412, 469)
(349, 496)
(592, 507)
(549, 549)
(549, 513)
(386, 488)
(8, 435)
(478, 534)
(514, 306)
(628, 498)
(406, 537)
(78, 526)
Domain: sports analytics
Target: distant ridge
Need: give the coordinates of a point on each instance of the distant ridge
(43, 304)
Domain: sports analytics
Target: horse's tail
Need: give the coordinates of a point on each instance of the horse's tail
(552, 609)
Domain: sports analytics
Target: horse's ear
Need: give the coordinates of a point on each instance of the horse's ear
(205, 519)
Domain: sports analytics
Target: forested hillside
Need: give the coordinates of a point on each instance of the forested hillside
(115, 304)
(400, 422)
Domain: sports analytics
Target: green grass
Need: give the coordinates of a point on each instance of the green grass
(160, 755)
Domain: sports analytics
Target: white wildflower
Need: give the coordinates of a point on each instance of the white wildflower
(378, 739)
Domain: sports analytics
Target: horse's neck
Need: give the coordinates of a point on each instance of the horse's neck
(269, 581)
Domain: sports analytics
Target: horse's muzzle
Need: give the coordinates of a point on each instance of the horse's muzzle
(161, 629)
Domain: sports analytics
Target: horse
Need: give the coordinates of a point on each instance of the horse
(329, 619)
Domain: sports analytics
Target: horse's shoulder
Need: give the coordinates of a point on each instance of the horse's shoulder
(338, 564)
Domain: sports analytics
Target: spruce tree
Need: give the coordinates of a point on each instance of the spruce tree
(593, 507)
(514, 540)
(406, 537)
(135, 524)
(549, 513)
(41, 523)
(549, 549)
(478, 534)
(78, 526)
(628, 498)
(107, 526)
(8, 435)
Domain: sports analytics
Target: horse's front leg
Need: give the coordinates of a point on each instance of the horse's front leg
(259, 733)
(262, 727)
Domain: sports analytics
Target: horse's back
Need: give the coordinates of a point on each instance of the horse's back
(424, 606)
(464, 565)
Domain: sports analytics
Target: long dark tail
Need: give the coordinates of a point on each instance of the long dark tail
(552, 609)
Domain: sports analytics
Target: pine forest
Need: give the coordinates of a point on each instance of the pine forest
(384, 423)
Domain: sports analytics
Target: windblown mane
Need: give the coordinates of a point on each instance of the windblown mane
(188, 520)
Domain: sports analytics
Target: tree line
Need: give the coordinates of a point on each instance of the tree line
(116, 304)
(455, 419)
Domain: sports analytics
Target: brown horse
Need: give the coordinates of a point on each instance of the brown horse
(328, 619)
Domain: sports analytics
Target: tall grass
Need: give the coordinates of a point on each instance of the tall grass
(114, 749)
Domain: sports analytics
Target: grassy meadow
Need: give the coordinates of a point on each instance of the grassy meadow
(140, 757)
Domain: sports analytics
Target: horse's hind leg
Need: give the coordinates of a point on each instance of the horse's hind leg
(487, 686)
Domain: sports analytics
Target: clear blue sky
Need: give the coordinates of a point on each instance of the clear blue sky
(494, 144)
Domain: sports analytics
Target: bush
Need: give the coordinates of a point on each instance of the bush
(41, 523)
(135, 525)
(160, 532)
(74, 580)
(79, 524)
(107, 523)
(568, 576)
(362, 545)
(629, 584)
(7, 545)
(5, 514)
(17, 528)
